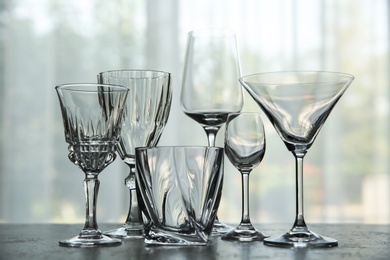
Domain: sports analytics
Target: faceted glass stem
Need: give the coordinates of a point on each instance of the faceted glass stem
(133, 226)
(90, 235)
(134, 214)
(91, 189)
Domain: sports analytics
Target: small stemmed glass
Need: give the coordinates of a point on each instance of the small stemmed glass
(145, 116)
(210, 87)
(298, 104)
(92, 117)
(245, 147)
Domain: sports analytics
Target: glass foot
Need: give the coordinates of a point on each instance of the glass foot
(100, 241)
(244, 233)
(126, 232)
(160, 236)
(300, 239)
(220, 228)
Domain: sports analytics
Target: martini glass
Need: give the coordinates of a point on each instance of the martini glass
(145, 116)
(92, 118)
(210, 87)
(298, 103)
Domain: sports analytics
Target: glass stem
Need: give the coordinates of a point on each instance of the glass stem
(134, 214)
(211, 132)
(91, 188)
(299, 220)
(245, 219)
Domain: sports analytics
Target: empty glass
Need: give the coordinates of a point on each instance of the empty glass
(298, 104)
(146, 114)
(92, 117)
(179, 190)
(210, 88)
(245, 148)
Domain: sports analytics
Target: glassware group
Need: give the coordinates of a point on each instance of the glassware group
(175, 191)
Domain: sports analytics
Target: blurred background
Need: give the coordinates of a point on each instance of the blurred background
(44, 43)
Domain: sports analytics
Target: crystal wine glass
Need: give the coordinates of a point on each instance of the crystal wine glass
(146, 114)
(245, 147)
(210, 87)
(92, 117)
(297, 104)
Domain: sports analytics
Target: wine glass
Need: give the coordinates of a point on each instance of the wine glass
(92, 117)
(245, 148)
(146, 114)
(298, 104)
(210, 87)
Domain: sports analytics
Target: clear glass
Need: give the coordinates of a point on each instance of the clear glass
(245, 147)
(210, 87)
(297, 104)
(92, 116)
(145, 116)
(179, 190)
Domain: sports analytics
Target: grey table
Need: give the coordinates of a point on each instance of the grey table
(40, 241)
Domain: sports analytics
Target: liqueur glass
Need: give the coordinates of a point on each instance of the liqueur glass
(210, 87)
(298, 103)
(245, 147)
(92, 116)
(179, 190)
(145, 116)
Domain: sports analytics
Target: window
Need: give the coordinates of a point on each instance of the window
(44, 43)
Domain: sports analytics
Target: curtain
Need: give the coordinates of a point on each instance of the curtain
(44, 43)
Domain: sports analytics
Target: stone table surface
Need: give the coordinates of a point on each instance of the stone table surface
(40, 241)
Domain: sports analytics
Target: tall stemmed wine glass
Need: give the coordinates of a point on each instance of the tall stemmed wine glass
(298, 103)
(92, 116)
(146, 114)
(245, 147)
(210, 87)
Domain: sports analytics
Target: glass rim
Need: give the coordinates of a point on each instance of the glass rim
(85, 87)
(253, 114)
(210, 33)
(245, 79)
(159, 73)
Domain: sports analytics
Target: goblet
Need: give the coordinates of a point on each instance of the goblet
(210, 87)
(92, 117)
(245, 148)
(298, 104)
(146, 114)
